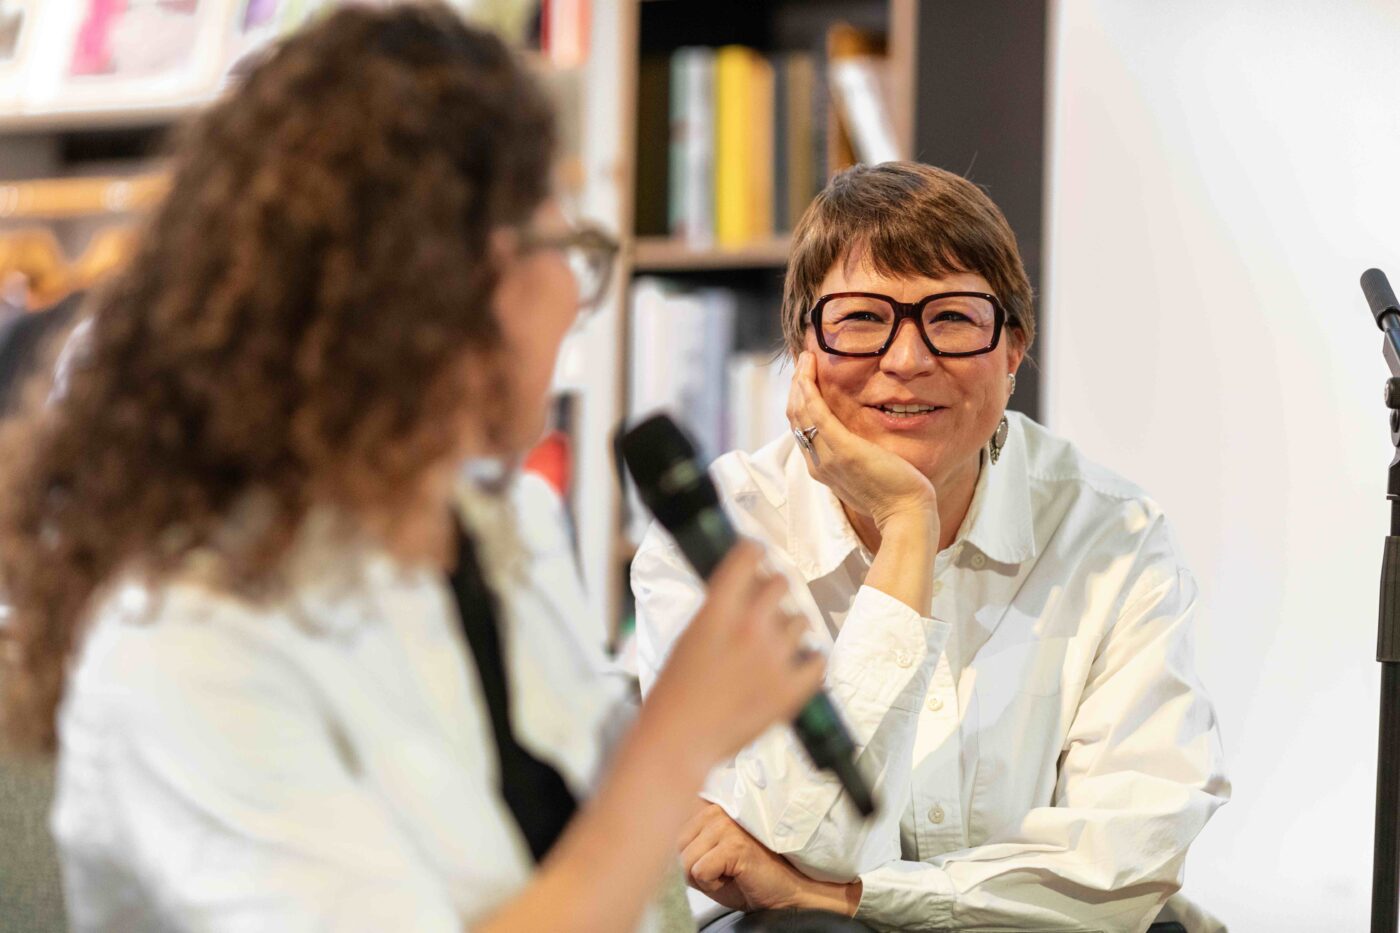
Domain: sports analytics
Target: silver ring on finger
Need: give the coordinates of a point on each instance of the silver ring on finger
(804, 439)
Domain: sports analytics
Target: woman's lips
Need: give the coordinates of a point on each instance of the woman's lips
(892, 421)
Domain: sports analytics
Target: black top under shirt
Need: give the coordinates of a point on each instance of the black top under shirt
(537, 796)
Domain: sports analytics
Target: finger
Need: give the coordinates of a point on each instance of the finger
(811, 405)
(766, 611)
(737, 577)
(697, 850)
(717, 827)
(703, 817)
(711, 869)
(807, 678)
(794, 399)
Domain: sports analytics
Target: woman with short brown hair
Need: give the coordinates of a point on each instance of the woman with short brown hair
(226, 540)
(1009, 623)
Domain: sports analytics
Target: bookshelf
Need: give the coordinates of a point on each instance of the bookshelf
(965, 84)
(666, 254)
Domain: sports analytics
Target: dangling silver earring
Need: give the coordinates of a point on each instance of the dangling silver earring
(1012, 377)
(998, 440)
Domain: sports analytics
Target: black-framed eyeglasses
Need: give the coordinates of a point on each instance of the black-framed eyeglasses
(950, 323)
(591, 254)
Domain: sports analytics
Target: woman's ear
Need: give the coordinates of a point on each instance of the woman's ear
(1015, 352)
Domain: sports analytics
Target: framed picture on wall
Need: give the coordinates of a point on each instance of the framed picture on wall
(95, 55)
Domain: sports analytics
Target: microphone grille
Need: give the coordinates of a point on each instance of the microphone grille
(1379, 294)
(667, 470)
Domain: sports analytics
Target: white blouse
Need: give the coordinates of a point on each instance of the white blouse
(1042, 747)
(325, 762)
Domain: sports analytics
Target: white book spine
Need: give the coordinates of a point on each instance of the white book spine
(858, 86)
(694, 217)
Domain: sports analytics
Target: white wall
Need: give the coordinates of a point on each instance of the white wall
(1221, 174)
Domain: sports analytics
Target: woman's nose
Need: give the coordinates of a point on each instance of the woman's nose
(908, 355)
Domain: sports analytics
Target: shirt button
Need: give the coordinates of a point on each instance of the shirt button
(978, 561)
(935, 704)
(903, 658)
(935, 815)
(937, 587)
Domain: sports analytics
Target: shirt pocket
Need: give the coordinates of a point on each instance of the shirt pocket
(1030, 667)
(1018, 727)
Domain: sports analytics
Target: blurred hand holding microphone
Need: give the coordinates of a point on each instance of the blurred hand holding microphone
(676, 488)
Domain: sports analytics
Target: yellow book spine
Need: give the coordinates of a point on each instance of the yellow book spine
(733, 174)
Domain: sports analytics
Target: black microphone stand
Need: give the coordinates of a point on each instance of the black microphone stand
(1385, 880)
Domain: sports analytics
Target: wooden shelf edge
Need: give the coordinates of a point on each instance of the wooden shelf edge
(663, 254)
(114, 118)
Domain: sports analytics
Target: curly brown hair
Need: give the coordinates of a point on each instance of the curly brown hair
(308, 310)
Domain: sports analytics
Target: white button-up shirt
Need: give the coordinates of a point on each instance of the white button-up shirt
(1041, 745)
(324, 761)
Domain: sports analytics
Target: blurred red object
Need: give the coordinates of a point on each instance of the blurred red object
(552, 459)
(564, 32)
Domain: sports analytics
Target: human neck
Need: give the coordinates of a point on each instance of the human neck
(955, 494)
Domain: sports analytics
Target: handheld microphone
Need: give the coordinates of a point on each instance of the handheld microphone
(679, 492)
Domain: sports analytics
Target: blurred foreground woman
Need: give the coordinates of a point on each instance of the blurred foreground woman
(296, 676)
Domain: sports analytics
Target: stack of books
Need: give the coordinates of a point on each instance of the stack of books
(751, 138)
(683, 362)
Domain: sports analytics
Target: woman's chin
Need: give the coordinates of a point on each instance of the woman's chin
(924, 453)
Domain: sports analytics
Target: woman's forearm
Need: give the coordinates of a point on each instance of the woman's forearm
(903, 565)
(607, 866)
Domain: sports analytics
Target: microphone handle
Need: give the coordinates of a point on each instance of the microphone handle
(824, 735)
(705, 540)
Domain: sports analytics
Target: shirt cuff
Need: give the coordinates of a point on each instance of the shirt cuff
(906, 896)
(884, 649)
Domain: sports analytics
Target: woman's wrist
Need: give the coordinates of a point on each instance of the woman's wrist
(836, 897)
(662, 735)
(912, 520)
(903, 565)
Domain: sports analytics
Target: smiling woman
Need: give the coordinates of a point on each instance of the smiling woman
(1009, 624)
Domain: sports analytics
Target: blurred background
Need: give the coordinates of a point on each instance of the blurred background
(1196, 188)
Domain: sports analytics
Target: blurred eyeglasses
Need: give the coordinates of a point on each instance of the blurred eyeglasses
(590, 253)
(950, 323)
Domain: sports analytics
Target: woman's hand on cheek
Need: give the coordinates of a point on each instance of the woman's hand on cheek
(863, 475)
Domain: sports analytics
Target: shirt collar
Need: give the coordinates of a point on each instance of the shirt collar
(820, 537)
(998, 522)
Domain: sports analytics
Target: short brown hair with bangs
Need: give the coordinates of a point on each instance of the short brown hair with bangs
(904, 218)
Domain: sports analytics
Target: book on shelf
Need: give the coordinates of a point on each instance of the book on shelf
(654, 95)
(750, 138)
(857, 72)
(746, 143)
(756, 405)
(679, 342)
(683, 363)
(761, 169)
(798, 169)
(690, 202)
(736, 147)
